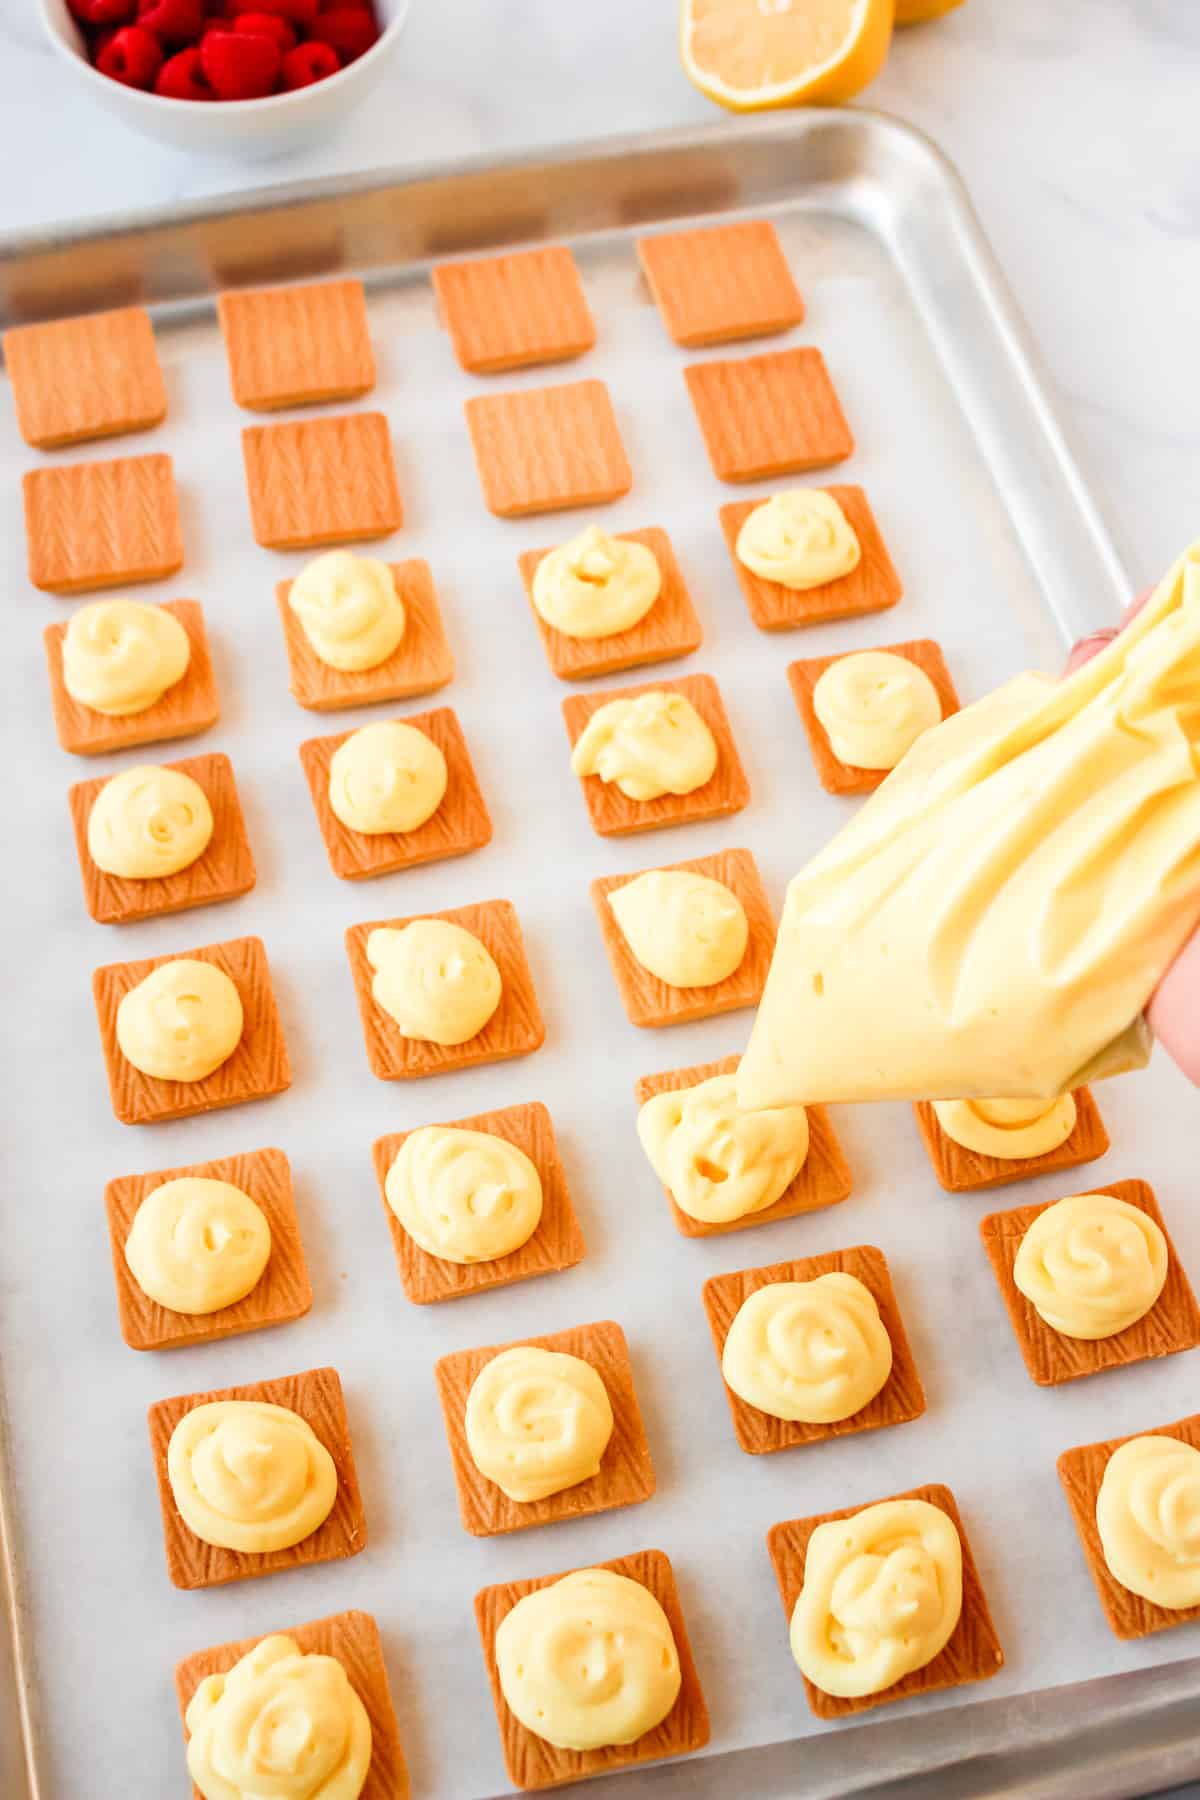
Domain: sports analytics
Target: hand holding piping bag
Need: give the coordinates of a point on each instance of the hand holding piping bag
(995, 920)
(1174, 1010)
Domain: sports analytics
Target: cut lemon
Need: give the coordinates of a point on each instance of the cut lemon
(911, 12)
(753, 54)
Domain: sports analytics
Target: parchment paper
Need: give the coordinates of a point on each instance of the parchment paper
(107, 1625)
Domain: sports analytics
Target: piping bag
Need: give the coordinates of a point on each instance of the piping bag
(993, 921)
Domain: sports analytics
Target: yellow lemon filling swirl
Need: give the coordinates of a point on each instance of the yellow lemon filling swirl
(349, 610)
(250, 1476)
(811, 1351)
(596, 585)
(465, 1196)
(197, 1245)
(800, 539)
(718, 1162)
(120, 656)
(685, 928)
(149, 822)
(434, 979)
(279, 1723)
(1148, 1517)
(588, 1661)
(1091, 1265)
(537, 1421)
(386, 777)
(1009, 1129)
(882, 1594)
(874, 706)
(181, 1022)
(650, 745)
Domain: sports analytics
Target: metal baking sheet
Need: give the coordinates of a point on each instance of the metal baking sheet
(1004, 560)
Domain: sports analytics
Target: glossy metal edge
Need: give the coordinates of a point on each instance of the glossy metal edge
(18, 1724)
(1115, 1737)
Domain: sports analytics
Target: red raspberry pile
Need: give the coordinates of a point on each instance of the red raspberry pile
(224, 49)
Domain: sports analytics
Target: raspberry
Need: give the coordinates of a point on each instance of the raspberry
(132, 56)
(173, 21)
(182, 77)
(102, 12)
(300, 12)
(268, 25)
(239, 66)
(350, 30)
(308, 63)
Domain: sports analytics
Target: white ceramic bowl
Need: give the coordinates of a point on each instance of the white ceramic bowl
(249, 128)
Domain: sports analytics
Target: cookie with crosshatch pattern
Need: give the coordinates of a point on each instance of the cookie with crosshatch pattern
(556, 1244)
(531, 1761)
(647, 999)
(91, 525)
(514, 1029)
(777, 413)
(626, 1473)
(297, 346)
(614, 814)
(329, 480)
(547, 449)
(282, 1292)
(223, 871)
(352, 1638)
(314, 1396)
(187, 708)
(721, 282)
(511, 311)
(973, 1652)
(461, 822)
(258, 1066)
(96, 376)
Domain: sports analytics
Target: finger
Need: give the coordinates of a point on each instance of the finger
(1096, 641)
(1174, 1010)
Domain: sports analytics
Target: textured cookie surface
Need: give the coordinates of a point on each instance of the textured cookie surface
(823, 1181)
(514, 1029)
(556, 1244)
(295, 346)
(187, 708)
(614, 814)
(92, 377)
(836, 776)
(316, 1395)
(225, 870)
(283, 1290)
(899, 1400)
(774, 414)
(721, 282)
(258, 1067)
(531, 1762)
(421, 663)
(461, 823)
(650, 1001)
(507, 312)
(963, 1171)
(545, 449)
(671, 627)
(973, 1652)
(872, 586)
(351, 1637)
(1081, 1471)
(1172, 1324)
(322, 481)
(102, 524)
(626, 1473)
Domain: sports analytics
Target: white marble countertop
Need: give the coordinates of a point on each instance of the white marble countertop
(1074, 123)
